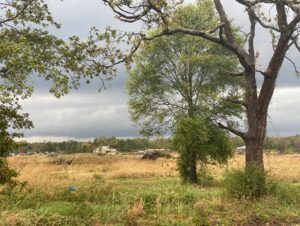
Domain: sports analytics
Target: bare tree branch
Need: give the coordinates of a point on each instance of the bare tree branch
(225, 21)
(293, 63)
(235, 74)
(296, 44)
(238, 102)
(241, 54)
(234, 131)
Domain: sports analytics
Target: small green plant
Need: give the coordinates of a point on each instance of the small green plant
(245, 183)
(149, 201)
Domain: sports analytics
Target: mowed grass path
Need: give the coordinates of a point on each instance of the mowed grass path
(125, 190)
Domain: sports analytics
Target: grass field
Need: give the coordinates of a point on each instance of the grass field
(125, 190)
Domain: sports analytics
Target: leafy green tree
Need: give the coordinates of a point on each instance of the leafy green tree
(181, 76)
(198, 140)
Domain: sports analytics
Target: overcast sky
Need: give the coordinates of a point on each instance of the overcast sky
(86, 113)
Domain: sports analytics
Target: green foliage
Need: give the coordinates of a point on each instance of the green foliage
(71, 146)
(246, 183)
(199, 141)
(129, 145)
(283, 145)
(180, 74)
(11, 117)
(7, 175)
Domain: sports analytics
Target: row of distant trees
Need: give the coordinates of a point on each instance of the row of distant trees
(282, 145)
(122, 145)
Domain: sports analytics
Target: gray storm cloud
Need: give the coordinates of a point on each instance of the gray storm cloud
(80, 115)
(85, 113)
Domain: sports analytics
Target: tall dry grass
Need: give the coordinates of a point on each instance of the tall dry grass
(40, 171)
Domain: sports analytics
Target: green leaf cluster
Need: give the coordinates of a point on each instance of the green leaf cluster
(182, 75)
(198, 140)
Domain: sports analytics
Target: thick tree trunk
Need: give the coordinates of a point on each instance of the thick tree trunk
(255, 139)
(257, 111)
(254, 154)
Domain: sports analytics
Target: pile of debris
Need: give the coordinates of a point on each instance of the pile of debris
(61, 161)
(155, 154)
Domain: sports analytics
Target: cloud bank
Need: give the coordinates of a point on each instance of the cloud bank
(86, 114)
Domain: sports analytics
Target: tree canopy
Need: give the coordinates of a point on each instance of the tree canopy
(176, 86)
(182, 75)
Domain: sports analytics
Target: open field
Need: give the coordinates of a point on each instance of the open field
(124, 190)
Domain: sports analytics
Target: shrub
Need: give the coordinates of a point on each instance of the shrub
(245, 183)
(7, 175)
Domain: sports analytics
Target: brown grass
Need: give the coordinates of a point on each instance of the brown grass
(40, 171)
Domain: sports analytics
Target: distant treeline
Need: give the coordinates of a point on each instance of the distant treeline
(278, 144)
(282, 145)
(122, 145)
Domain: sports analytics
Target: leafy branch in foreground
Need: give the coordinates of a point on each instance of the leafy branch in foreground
(28, 50)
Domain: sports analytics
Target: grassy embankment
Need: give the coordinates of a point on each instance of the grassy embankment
(124, 190)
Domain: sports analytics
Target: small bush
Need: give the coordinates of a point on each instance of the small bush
(245, 183)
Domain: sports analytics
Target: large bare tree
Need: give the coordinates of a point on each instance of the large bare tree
(281, 20)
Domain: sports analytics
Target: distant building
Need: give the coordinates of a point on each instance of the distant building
(240, 150)
(105, 150)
